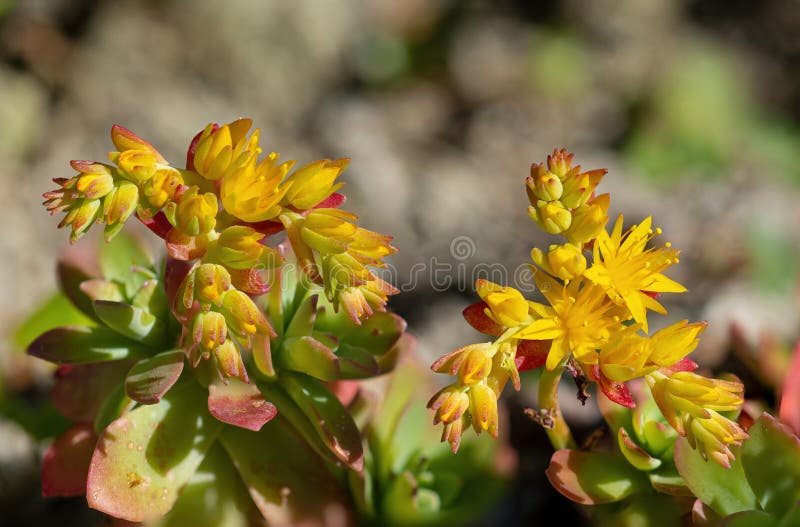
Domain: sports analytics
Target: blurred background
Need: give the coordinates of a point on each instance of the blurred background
(442, 105)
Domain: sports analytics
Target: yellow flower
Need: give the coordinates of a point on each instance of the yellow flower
(579, 320)
(627, 270)
(564, 261)
(588, 220)
(691, 405)
(507, 306)
(629, 355)
(218, 149)
(252, 191)
(313, 183)
(162, 187)
(195, 213)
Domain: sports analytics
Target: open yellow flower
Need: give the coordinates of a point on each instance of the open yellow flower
(627, 270)
(579, 320)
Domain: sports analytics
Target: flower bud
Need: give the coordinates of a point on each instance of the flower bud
(588, 220)
(477, 363)
(209, 331)
(544, 184)
(313, 183)
(578, 188)
(118, 205)
(483, 408)
(553, 217)
(507, 305)
(229, 362)
(238, 247)
(243, 316)
(95, 185)
(449, 404)
(162, 186)
(564, 261)
(211, 281)
(136, 165)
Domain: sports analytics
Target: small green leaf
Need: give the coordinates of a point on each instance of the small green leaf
(377, 334)
(635, 454)
(302, 322)
(56, 311)
(117, 259)
(70, 277)
(144, 458)
(82, 345)
(132, 322)
(592, 478)
(330, 419)
(356, 363)
(666, 480)
(80, 391)
(288, 482)
(771, 460)
(725, 490)
(151, 378)
(308, 355)
(113, 406)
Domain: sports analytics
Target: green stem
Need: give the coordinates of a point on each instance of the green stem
(559, 434)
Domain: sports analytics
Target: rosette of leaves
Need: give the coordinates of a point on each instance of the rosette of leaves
(410, 477)
(157, 442)
(633, 480)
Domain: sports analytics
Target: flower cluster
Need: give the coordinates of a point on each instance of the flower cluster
(598, 288)
(217, 214)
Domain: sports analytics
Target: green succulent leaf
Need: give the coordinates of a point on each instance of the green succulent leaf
(771, 460)
(356, 363)
(302, 322)
(56, 311)
(635, 454)
(145, 457)
(331, 420)
(377, 334)
(82, 345)
(749, 519)
(132, 322)
(239, 404)
(119, 259)
(725, 490)
(642, 510)
(308, 355)
(112, 407)
(288, 482)
(593, 478)
(70, 277)
(666, 480)
(151, 378)
(214, 497)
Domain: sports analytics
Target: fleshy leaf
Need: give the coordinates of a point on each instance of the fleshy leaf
(79, 391)
(356, 363)
(144, 458)
(330, 419)
(475, 315)
(666, 480)
(288, 481)
(725, 490)
(240, 404)
(66, 462)
(81, 345)
(592, 478)
(308, 355)
(132, 322)
(214, 497)
(790, 394)
(56, 311)
(302, 322)
(377, 334)
(119, 256)
(151, 378)
(635, 454)
(70, 277)
(749, 519)
(771, 461)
